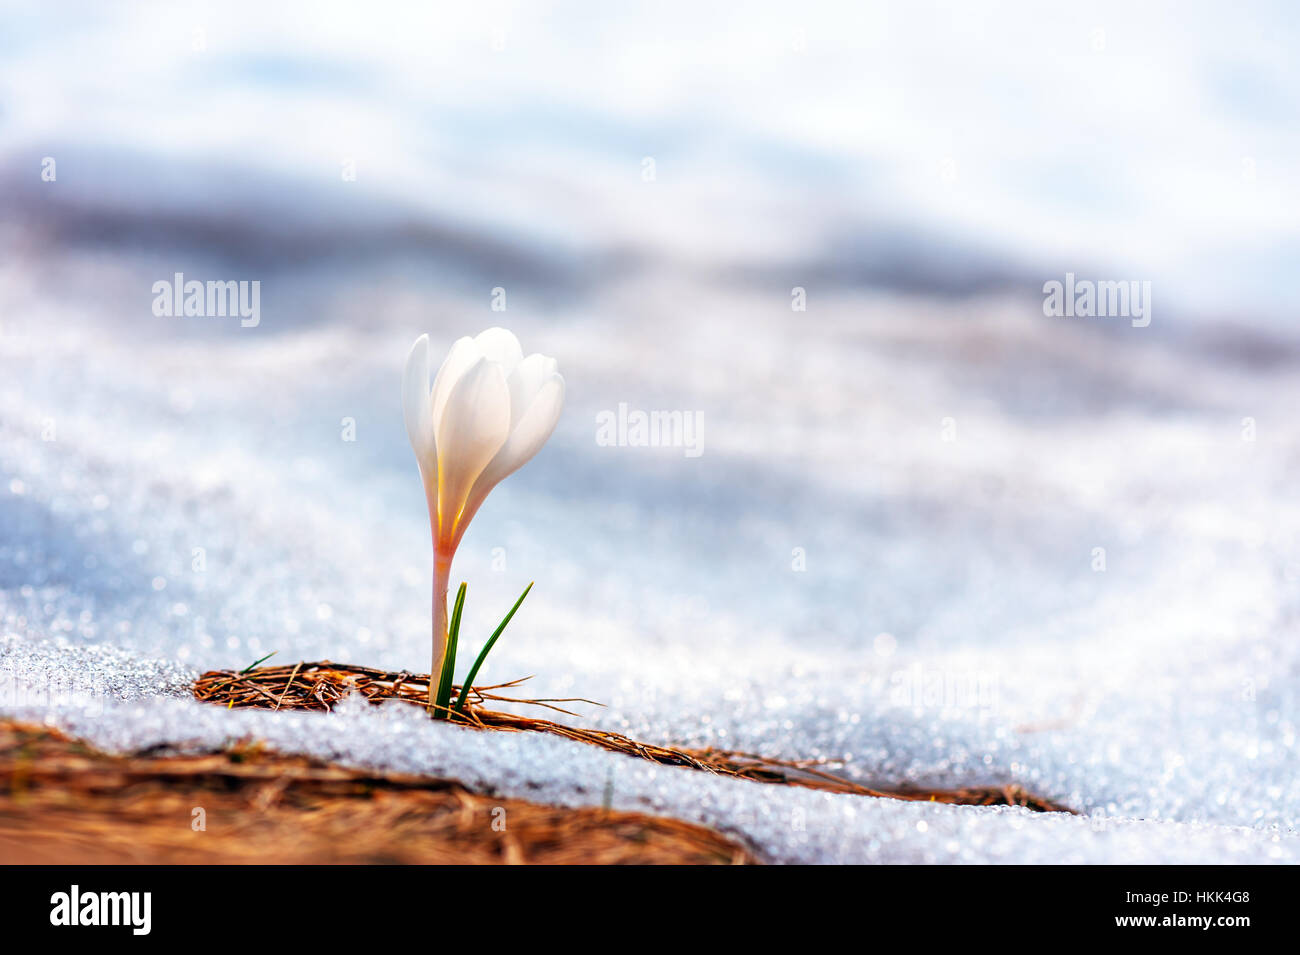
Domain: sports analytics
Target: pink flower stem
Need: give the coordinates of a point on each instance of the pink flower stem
(441, 578)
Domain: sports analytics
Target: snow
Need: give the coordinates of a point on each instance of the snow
(949, 628)
(784, 824)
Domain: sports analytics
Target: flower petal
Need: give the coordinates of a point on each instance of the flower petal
(415, 406)
(526, 381)
(462, 355)
(475, 424)
(501, 346)
(527, 438)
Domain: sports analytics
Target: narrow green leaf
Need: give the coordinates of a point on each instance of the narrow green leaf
(256, 662)
(449, 662)
(473, 671)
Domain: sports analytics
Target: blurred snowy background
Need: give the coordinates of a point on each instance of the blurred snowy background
(932, 533)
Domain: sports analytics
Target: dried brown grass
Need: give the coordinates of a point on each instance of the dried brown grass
(64, 803)
(321, 685)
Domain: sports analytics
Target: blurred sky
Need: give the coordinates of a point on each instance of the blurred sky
(946, 145)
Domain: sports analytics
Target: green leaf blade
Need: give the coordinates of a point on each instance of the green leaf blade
(252, 665)
(473, 672)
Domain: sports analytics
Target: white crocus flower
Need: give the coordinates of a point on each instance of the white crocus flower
(489, 411)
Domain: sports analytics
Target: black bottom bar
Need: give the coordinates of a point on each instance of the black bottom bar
(205, 904)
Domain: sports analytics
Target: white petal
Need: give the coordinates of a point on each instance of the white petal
(534, 428)
(501, 346)
(462, 355)
(527, 438)
(415, 406)
(475, 424)
(526, 381)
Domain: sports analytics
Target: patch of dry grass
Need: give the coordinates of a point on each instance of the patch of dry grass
(64, 803)
(321, 685)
